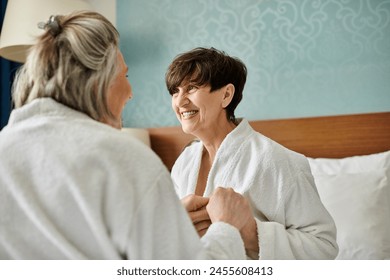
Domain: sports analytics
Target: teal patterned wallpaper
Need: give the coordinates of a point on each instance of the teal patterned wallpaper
(304, 57)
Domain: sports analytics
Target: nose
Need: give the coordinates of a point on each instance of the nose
(181, 99)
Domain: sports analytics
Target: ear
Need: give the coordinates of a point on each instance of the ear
(227, 95)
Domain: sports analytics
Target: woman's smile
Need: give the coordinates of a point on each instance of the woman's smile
(188, 114)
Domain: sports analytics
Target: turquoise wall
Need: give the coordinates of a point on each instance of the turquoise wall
(304, 57)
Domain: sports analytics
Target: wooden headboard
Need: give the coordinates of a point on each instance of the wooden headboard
(327, 137)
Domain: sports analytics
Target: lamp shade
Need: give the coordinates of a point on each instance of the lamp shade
(20, 25)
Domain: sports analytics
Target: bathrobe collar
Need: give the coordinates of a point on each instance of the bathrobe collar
(43, 106)
(230, 148)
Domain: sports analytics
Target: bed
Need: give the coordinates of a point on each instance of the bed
(350, 160)
(318, 137)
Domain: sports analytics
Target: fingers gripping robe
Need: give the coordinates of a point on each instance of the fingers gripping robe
(194, 202)
(196, 208)
(202, 227)
(225, 205)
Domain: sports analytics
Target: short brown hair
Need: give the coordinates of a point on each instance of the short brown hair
(208, 66)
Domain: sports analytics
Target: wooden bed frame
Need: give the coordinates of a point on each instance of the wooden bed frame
(317, 137)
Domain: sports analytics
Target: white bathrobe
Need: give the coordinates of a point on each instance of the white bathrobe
(292, 223)
(74, 188)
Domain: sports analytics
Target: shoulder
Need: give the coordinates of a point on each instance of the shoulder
(273, 156)
(187, 160)
(189, 151)
(117, 154)
(126, 149)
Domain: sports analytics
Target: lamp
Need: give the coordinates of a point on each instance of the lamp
(20, 23)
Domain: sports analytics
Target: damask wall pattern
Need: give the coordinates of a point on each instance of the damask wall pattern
(304, 57)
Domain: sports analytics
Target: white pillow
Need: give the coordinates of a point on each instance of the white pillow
(356, 192)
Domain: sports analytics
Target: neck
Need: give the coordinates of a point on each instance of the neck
(214, 137)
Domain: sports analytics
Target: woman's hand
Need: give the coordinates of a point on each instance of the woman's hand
(196, 208)
(228, 206)
(250, 237)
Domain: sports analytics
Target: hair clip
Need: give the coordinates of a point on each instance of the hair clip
(52, 25)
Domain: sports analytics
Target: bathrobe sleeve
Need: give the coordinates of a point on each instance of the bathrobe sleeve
(164, 230)
(307, 231)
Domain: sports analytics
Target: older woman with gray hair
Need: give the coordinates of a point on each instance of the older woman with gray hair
(72, 185)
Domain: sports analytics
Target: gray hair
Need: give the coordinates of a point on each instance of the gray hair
(73, 62)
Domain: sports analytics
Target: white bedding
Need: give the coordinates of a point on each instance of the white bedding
(356, 192)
